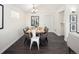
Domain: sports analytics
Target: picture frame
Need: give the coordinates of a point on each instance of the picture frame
(34, 20)
(1, 16)
(73, 18)
(73, 27)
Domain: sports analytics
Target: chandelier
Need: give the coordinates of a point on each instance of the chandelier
(34, 9)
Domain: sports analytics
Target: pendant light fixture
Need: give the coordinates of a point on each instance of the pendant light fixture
(34, 10)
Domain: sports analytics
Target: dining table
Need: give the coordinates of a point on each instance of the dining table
(38, 30)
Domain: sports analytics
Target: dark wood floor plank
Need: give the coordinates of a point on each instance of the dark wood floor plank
(56, 45)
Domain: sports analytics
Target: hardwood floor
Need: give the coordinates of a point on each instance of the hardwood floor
(56, 45)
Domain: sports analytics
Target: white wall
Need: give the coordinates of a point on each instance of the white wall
(67, 22)
(49, 16)
(67, 13)
(14, 22)
(0, 16)
(56, 24)
(78, 20)
(45, 19)
(73, 42)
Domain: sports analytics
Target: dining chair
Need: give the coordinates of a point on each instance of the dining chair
(34, 39)
(43, 37)
(27, 37)
(46, 29)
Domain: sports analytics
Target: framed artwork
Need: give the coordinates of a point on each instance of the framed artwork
(34, 20)
(1, 16)
(73, 18)
(73, 27)
(73, 23)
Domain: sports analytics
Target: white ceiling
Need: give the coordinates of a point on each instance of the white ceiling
(41, 7)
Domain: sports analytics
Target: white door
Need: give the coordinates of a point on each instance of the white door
(61, 19)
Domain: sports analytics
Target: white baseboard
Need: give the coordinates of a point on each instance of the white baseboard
(57, 33)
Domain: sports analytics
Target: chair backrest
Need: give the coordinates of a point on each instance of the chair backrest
(34, 33)
(24, 30)
(28, 35)
(45, 29)
(27, 28)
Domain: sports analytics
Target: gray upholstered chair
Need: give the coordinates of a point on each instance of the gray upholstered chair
(46, 29)
(43, 37)
(27, 36)
(27, 28)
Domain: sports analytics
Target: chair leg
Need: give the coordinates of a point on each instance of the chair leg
(31, 45)
(46, 39)
(38, 45)
(25, 40)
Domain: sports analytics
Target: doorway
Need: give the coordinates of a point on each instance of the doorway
(61, 20)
